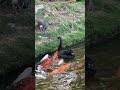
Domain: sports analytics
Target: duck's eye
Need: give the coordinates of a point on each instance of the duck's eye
(41, 26)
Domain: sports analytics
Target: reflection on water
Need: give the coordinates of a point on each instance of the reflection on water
(107, 60)
(52, 82)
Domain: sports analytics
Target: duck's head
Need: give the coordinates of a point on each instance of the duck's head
(59, 37)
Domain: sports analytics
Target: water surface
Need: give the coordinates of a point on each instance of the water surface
(107, 61)
(76, 85)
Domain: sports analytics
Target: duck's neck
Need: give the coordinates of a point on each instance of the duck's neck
(60, 44)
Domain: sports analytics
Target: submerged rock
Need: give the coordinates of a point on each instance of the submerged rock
(62, 80)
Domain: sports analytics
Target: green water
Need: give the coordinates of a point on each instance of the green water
(107, 60)
(79, 51)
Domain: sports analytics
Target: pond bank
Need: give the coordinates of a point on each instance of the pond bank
(68, 41)
(81, 44)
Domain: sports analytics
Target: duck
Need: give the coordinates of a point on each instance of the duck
(42, 25)
(90, 69)
(65, 54)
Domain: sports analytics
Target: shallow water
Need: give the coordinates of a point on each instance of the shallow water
(107, 61)
(50, 83)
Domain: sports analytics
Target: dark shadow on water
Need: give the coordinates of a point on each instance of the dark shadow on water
(106, 57)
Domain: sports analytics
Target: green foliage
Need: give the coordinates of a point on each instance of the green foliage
(70, 28)
(41, 11)
(102, 27)
(38, 1)
(52, 45)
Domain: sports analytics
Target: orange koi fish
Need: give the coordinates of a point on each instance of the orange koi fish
(47, 62)
(61, 69)
(55, 55)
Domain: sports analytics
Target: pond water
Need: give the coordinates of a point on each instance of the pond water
(79, 84)
(106, 57)
(43, 84)
(107, 61)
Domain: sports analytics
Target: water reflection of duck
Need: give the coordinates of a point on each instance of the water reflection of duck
(65, 54)
(89, 67)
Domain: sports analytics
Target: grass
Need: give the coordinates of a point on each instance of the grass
(67, 20)
(102, 23)
(67, 41)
